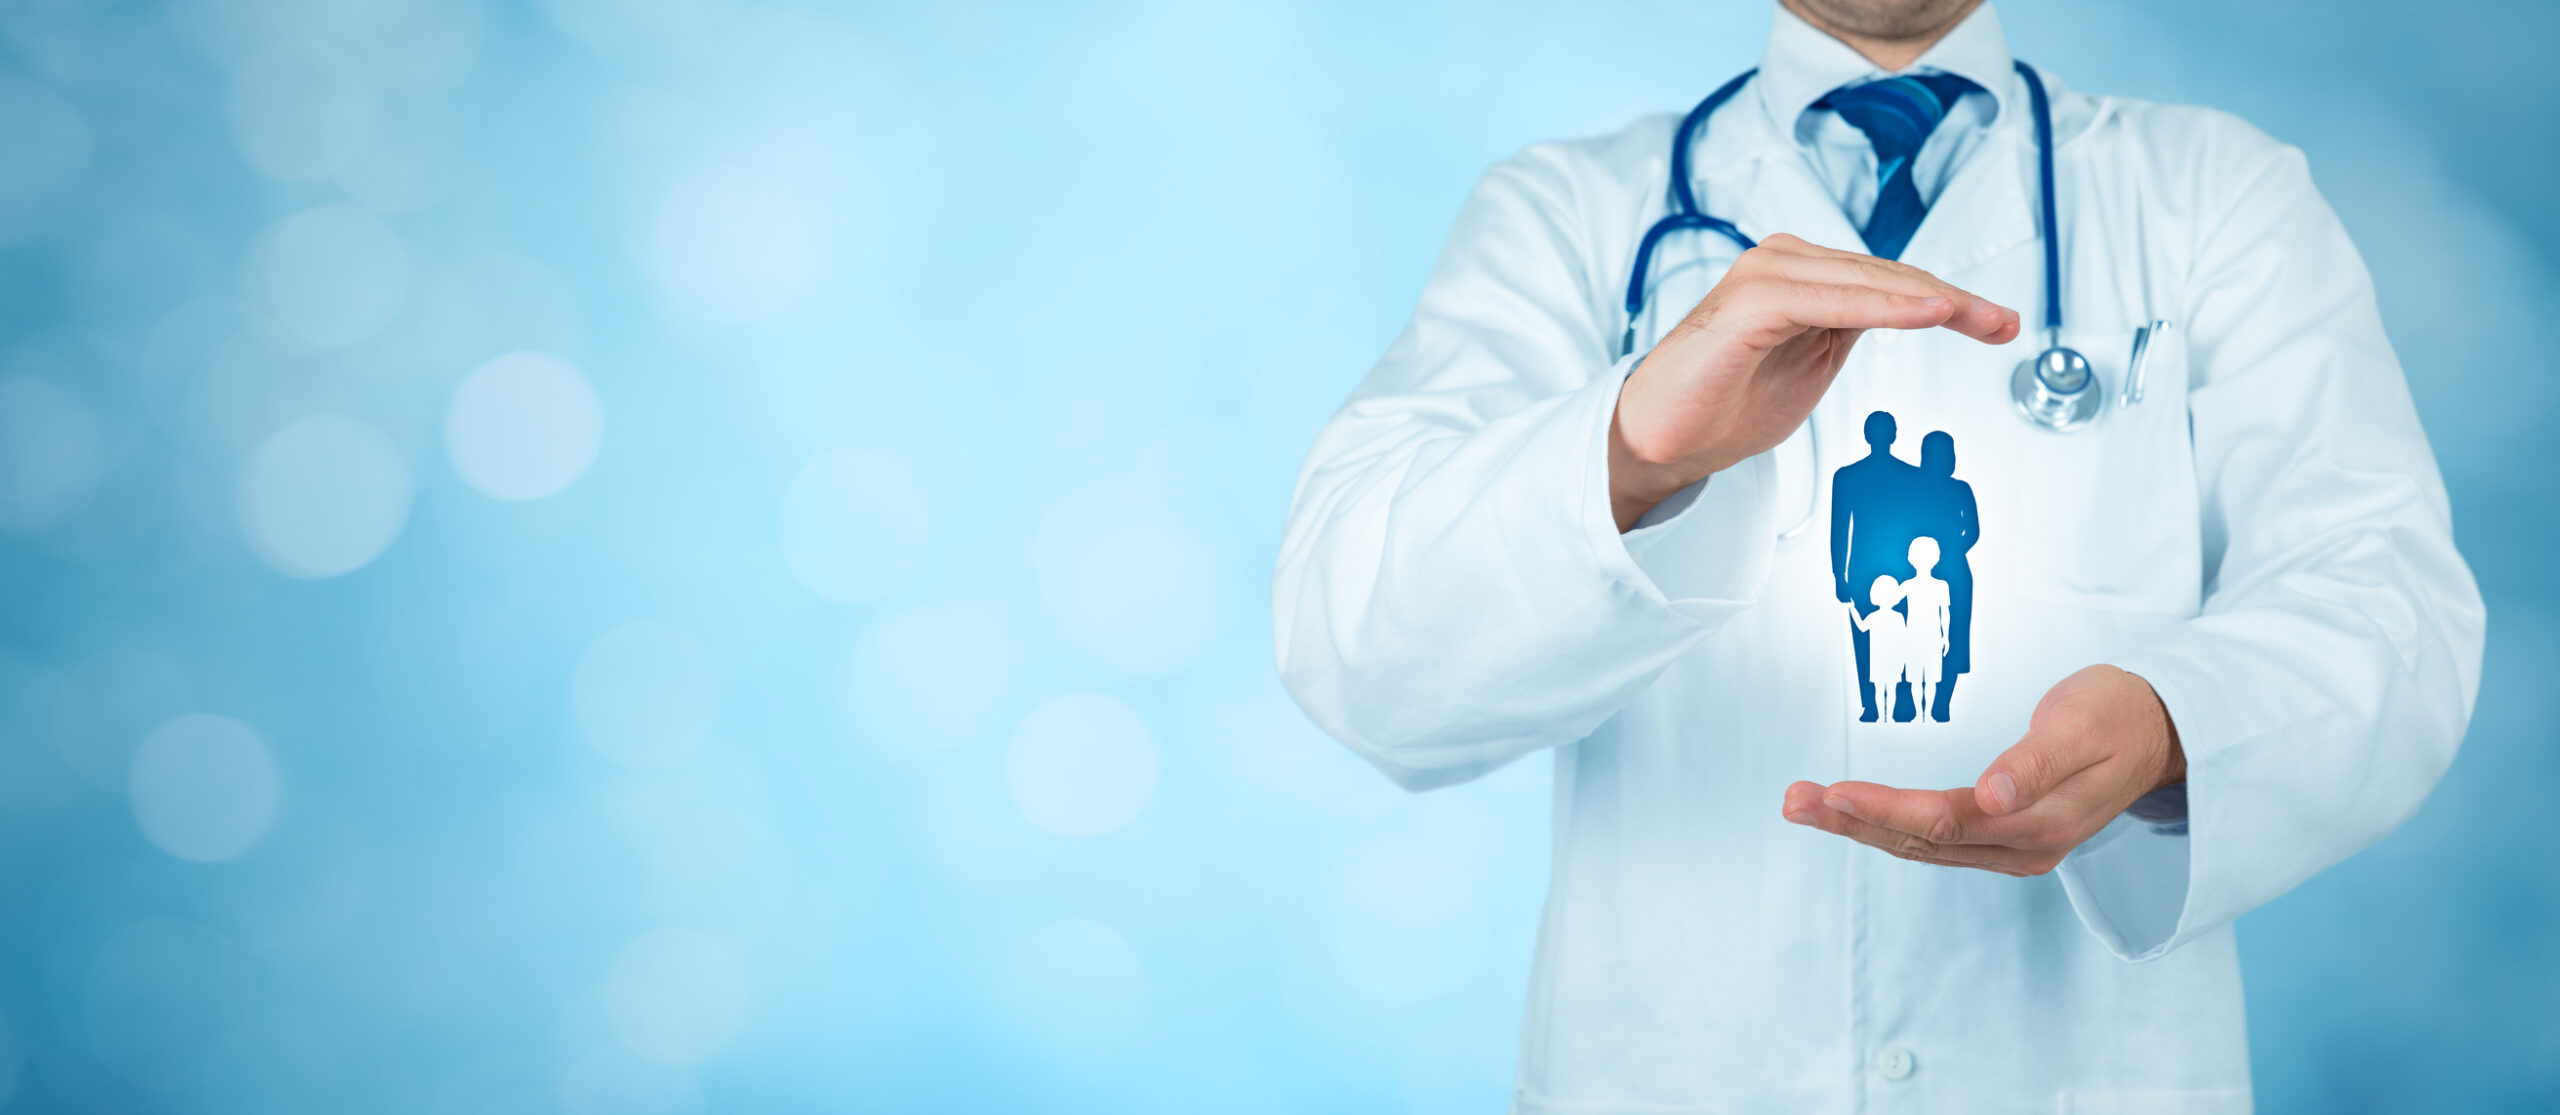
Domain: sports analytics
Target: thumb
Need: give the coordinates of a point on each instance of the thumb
(2029, 770)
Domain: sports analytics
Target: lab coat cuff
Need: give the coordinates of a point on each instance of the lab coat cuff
(1706, 549)
(2146, 889)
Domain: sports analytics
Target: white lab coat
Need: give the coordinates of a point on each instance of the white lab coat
(2264, 538)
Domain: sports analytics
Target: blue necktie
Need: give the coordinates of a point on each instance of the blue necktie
(1897, 113)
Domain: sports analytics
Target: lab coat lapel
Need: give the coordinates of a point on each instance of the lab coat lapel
(1787, 197)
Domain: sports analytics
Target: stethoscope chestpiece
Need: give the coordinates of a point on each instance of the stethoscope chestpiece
(2056, 389)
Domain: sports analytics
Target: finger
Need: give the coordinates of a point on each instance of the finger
(1791, 244)
(1978, 317)
(1808, 810)
(1845, 270)
(1778, 309)
(1975, 315)
(1937, 816)
(2057, 747)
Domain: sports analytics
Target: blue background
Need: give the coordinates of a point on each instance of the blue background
(884, 718)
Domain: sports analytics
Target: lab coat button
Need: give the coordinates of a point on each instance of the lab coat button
(1893, 1062)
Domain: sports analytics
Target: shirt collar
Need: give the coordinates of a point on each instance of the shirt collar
(1804, 62)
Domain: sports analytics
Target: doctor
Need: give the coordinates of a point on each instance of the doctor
(2219, 636)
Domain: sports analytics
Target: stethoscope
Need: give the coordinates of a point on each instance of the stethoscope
(2056, 389)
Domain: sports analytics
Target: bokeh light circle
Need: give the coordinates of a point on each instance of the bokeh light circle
(51, 454)
(299, 111)
(48, 150)
(928, 677)
(323, 496)
(676, 995)
(523, 426)
(1077, 985)
(854, 526)
(731, 245)
(203, 787)
(646, 694)
(335, 275)
(1081, 765)
(1142, 593)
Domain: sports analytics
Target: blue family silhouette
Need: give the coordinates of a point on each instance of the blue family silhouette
(1899, 535)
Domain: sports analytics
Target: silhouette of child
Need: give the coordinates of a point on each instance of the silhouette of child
(1931, 608)
(1887, 639)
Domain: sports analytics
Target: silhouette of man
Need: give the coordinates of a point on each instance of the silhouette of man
(1873, 520)
(1947, 510)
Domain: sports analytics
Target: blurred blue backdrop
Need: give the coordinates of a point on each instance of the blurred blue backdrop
(684, 555)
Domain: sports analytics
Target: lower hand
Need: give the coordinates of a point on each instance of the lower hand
(2096, 743)
(1745, 367)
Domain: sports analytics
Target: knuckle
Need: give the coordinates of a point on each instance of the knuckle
(1913, 847)
(2074, 722)
(1945, 830)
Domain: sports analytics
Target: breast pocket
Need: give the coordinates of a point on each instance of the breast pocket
(2106, 517)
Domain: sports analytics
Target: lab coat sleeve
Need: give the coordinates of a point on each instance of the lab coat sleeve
(1452, 591)
(2324, 687)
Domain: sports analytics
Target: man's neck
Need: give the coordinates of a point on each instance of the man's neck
(1892, 55)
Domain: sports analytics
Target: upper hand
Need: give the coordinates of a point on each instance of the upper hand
(2097, 742)
(1747, 364)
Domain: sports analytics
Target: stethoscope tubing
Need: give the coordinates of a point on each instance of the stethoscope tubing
(1687, 216)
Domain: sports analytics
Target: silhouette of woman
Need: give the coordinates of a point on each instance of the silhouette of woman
(1951, 519)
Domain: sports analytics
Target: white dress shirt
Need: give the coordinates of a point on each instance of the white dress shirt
(1804, 64)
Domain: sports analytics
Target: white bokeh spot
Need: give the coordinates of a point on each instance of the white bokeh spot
(676, 996)
(646, 694)
(927, 677)
(300, 111)
(854, 526)
(523, 426)
(334, 275)
(1142, 593)
(51, 454)
(732, 245)
(323, 496)
(1081, 765)
(204, 787)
